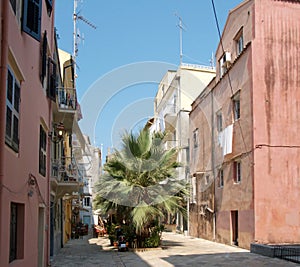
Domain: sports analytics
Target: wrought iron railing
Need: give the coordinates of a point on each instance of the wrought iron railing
(65, 169)
(66, 99)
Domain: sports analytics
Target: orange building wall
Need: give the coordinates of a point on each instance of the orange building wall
(276, 117)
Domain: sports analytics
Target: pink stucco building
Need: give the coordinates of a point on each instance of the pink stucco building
(27, 43)
(245, 149)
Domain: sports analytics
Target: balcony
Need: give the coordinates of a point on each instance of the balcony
(66, 107)
(170, 117)
(65, 176)
(66, 100)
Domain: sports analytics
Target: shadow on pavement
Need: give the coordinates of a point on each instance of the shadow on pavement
(89, 252)
(169, 243)
(225, 259)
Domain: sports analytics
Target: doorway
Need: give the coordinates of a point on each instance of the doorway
(235, 227)
(41, 232)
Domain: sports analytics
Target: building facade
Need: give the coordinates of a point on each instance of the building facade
(176, 91)
(39, 175)
(27, 42)
(245, 150)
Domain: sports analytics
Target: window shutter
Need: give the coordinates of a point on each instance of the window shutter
(44, 57)
(32, 18)
(51, 89)
(49, 6)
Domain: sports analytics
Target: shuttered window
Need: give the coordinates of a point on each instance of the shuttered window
(49, 6)
(42, 151)
(51, 87)
(32, 18)
(44, 56)
(12, 111)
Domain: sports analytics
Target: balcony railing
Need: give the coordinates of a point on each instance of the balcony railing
(170, 109)
(66, 99)
(65, 170)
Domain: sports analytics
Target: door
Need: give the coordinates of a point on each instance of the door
(235, 227)
(41, 232)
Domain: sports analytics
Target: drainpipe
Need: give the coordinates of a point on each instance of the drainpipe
(213, 163)
(48, 207)
(3, 73)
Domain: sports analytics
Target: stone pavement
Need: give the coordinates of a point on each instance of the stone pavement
(178, 251)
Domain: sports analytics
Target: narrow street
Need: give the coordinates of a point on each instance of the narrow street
(178, 250)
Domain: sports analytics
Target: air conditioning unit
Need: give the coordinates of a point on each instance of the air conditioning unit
(226, 59)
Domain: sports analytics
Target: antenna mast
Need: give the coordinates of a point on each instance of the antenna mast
(76, 36)
(180, 25)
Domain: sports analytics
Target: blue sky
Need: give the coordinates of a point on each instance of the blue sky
(132, 32)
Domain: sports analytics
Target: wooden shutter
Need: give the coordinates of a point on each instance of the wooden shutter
(32, 18)
(51, 89)
(44, 57)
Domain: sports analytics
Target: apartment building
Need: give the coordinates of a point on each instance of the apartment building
(27, 46)
(244, 150)
(176, 91)
(39, 174)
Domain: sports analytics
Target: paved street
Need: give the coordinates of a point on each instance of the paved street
(178, 251)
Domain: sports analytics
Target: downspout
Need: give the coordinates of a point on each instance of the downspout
(48, 184)
(213, 163)
(3, 72)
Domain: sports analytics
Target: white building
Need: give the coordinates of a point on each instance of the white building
(90, 168)
(176, 92)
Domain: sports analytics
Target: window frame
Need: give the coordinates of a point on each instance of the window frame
(239, 40)
(221, 178)
(36, 22)
(13, 105)
(42, 151)
(219, 120)
(196, 138)
(237, 171)
(236, 106)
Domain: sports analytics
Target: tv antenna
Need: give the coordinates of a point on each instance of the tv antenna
(76, 34)
(181, 26)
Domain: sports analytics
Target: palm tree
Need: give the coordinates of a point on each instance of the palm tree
(140, 181)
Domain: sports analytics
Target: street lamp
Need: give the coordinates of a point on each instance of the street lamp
(58, 132)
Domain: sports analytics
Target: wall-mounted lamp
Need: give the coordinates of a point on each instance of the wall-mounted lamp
(58, 132)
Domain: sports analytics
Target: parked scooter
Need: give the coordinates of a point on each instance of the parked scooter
(122, 244)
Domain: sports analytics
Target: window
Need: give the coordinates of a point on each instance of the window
(32, 18)
(219, 121)
(239, 42)
(237, 172)
(16, 243)
(195, 138)
(236, 106)
(17, 9)
(206, 179)
(42, 152)
(51, 86)
(44, 56)
(221, 178)
(12, 111)
(86, 201)
(224, 63)
(14, 5)
(194, 190)
(49, 6)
